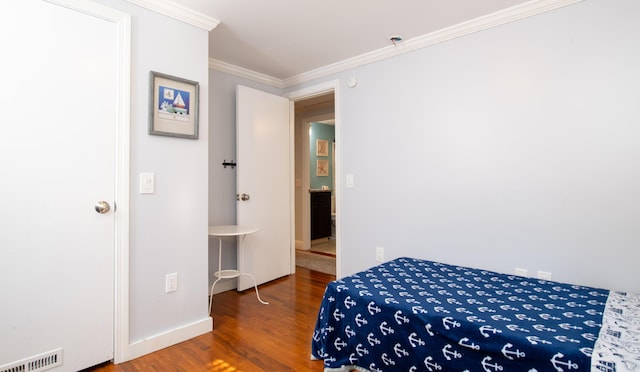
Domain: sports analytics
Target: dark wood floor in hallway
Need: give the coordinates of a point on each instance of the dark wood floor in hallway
(247, 335)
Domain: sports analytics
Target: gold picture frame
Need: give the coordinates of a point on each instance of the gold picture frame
(322, 168)
(322, 147)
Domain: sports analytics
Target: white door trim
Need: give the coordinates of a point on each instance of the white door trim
(122, 345)
(123, 123)
(310, 92)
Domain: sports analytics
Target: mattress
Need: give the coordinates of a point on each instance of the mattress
(418, 315)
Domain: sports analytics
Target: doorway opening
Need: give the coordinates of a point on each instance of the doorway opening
(315, 183)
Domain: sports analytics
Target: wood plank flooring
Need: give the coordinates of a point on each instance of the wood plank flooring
(247, 335)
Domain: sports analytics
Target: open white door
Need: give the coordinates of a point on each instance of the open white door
(264, 157)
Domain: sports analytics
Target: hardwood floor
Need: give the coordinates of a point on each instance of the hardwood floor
(247, 335)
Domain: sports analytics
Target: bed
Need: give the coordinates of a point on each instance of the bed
(417, 315)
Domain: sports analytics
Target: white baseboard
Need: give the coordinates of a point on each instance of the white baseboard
(169, 338)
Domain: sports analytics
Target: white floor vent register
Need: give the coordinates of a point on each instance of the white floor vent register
(36, 363)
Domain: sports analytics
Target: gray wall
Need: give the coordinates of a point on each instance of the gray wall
(519, 148)
(222, 182)
(514, 146)
(169, 228)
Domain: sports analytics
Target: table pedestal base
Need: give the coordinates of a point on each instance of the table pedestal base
(230, 274)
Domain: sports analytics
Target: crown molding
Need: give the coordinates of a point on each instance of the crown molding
(245, 73)
(511, 14)
(495, 19)
(179, 12)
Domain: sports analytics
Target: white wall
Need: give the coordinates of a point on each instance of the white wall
(514, 146)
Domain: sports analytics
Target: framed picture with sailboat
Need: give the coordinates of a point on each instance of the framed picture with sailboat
(173, 106)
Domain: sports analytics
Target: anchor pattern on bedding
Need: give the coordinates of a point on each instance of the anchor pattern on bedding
(418, 315)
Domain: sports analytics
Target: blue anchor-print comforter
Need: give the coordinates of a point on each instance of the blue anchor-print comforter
(417, 315)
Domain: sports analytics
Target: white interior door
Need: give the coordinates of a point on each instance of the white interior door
(57, 152)
(264, 157)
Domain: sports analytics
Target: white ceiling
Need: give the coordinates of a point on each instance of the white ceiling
(286, 38)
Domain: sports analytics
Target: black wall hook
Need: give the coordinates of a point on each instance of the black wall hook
(231, 164)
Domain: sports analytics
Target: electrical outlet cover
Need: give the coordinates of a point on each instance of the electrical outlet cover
(545, 275)
(379, 254)
(521, 272)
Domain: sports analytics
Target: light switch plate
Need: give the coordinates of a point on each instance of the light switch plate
(147, 183)
(349, 180)
(171, 283)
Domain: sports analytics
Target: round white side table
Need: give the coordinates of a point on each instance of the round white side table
(233, 231)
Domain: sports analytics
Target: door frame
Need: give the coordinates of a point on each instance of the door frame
(122, 21)
(306, 93)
